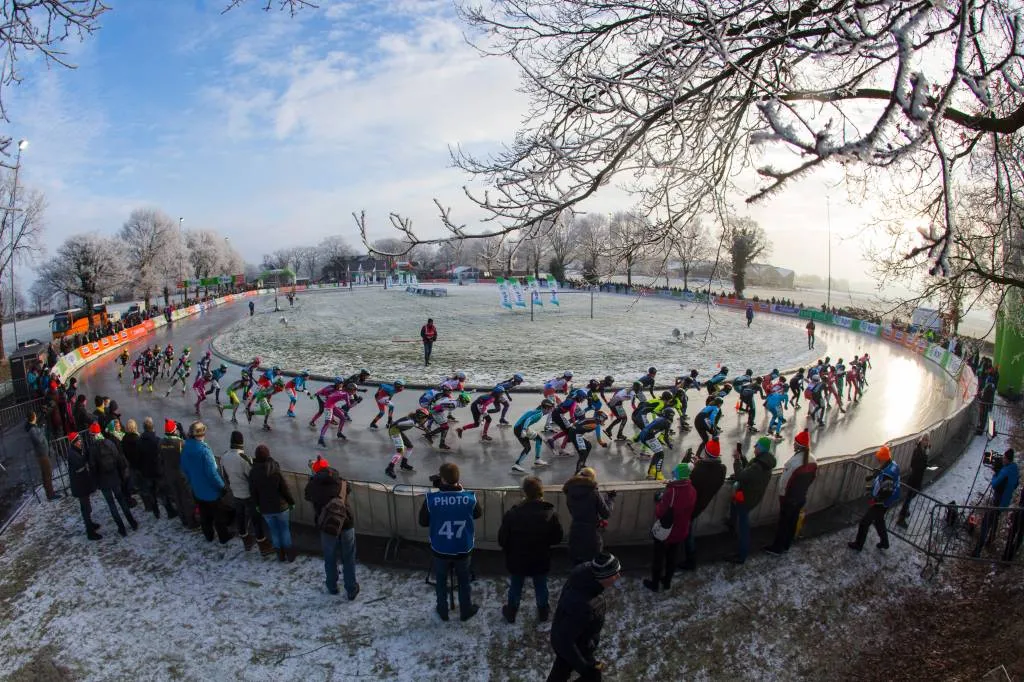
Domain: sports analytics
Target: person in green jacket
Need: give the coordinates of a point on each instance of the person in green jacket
(750, 481)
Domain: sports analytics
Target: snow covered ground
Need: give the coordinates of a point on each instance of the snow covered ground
(338, 332)
(164, 604)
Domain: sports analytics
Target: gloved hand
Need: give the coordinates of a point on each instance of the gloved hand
(291, 507)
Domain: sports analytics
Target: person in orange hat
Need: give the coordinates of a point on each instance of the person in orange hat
(885, 492)
(797, 476)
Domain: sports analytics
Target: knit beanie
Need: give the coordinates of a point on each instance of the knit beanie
(170, 427)
(605, 565)
(883, 454)
(764, 444)
(803, 439)
(237, 440)
(94, 428)
(682, 471)
(713, 448)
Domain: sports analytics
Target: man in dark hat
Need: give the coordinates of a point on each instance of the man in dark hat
(579, 618)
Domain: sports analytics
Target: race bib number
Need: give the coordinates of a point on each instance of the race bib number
(655, 445)
(397, 440)
(581, 442)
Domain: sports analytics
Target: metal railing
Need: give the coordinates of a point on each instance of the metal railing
(16, 415)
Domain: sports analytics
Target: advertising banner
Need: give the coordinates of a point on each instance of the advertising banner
(553, 288)
(517, 293)
(531, 284)
(506, 301)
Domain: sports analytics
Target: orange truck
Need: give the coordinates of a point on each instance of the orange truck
(76, 321)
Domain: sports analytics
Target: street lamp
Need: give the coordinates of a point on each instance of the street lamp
(828, 220)
(22, 144)
(181, 263)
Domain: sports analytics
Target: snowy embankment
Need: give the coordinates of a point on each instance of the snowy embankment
(164, 604)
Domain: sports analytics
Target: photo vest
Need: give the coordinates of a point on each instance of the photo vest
(451, 521)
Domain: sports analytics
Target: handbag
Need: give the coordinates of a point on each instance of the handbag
(662, 527)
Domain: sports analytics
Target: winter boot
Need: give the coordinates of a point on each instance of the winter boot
(651, 585)
(93, 535)
(249, 542)
(509, 612)
(266, 548)
(291, 553)
(282, 555)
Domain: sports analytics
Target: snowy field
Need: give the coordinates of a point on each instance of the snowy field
(339, 332)
(164, 604)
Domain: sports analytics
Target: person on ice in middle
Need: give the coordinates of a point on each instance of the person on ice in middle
(651, 439)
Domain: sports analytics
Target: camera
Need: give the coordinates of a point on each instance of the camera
(435, 481)
(993, 460)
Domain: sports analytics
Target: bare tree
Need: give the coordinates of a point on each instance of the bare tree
(89, 266)
(630, 235)
(593, 241)
(691, 245)
(40, 294)
(148, 236)
(291, 6)
(746, 241)
(21, 233)
(534, 251)
(562, 245)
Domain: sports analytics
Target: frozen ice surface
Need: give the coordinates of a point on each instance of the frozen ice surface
(338, 332)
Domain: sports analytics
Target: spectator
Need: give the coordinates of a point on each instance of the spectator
(751, 480)
(174, 481)
(82, 483)
(147, 472)
(99, 413)
(428, 333)
(328, 493)
(528, 532)
(987, 396)
(273, 501)
(236, 465)
(81, 415)
(675, 505)
(885, 492)
(449, 512)
(1015, 533)
(111, 471)
(797, 477)
(579, 619)
(200, 468)
(918, 465)
(590, 511)
(41, 448)
(707, 478)
(1003, 484)
(130, 444)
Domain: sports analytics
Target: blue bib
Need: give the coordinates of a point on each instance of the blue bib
(451, 521)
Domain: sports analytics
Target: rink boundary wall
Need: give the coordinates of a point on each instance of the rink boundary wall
(392, 512)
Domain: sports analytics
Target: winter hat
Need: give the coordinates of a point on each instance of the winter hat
(605, 565)
(94, 427)
(883, 454)
(682, 471)
(318, 464)
(764, 444)
(170, 426)
(803, 439)
(237, 440)
(713, 448)
(112, 408)
(73, 436)
(588, 472)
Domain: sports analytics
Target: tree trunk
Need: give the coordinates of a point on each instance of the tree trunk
(686, 278)
(88, 311)
(3, 350)
(167, 296)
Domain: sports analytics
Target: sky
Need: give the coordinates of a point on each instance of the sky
(273, 129)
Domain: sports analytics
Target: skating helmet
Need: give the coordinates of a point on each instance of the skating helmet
(757, 380)
(223, 367)
(363, 373)
(279, 381)
(800, 371)
(207, 376)
(245, 374)
(637, 386)
(349, 387)
(666, 395)
(652, 370)
(725, 370)
(275, 369)
(579, 394)
(497, 392)
(775, 372)
(694, 373)
(421, 414)
(209, 353)
(567, 374)
(782, 378)
(465, 398)
(668, 413)
(828, 359)
(461, 376)
(399, 383)
(547, 404)
(600, 416)
(255, 361)
(338, 380)
(186, 350)
(839, 361)
(608, 381)
(749, 372)
(170, 346)
(517, 378)
(304, 373)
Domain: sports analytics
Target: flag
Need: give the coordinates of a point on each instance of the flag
(553, 288)
(503, 291)
(517, 292)
(534, 287)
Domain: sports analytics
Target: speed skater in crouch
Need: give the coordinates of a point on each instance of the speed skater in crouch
(295, 386)
(525, 432)
(403, 447)
(336, 405)
(576, 436)
(502, 403)
(653, 440)
(262, 399)
(383, 396)
(476, 408)
(438, 411)
(321, 396)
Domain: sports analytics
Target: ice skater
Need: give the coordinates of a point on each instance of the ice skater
(706, 423)
(403, 446)
(618, 408)
(383, 396)
(504, 401)
(479, 408)
(296, 385)
(526, 434)
(336, 406)
(321, 396)
(653, 440)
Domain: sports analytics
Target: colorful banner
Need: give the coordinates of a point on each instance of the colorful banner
(506, 301)
(553, 288)
(517, 292)
(531, 284)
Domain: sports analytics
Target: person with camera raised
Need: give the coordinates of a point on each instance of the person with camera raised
(750, 481)
(1005, 479)
(450, 512)
(885, 492)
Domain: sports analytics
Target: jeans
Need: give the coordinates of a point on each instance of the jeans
(344, 547)
(740, 516)
(111, 494)
(461, 566)
(280, 533)
(789, 516)
(211, 517)
(540, 590)
(428, 346)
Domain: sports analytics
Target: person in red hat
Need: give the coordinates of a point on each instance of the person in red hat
(797, 476)
(111, 471)
(174, 481)
(82, 483)
(707, 478)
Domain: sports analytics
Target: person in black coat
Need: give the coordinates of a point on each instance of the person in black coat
(915, 479)
(579, 619)
(80, 414)
(707, 478)
(324, 485)
(528, 532)
(82, 483)
(148, 473)
(590, 510)
(111, 471)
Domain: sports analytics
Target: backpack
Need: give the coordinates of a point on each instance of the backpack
(335, 514)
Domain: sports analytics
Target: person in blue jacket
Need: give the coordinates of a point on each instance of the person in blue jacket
(449, 512)
(1004, 483)
(200, 468)
(885, 492)
(706, 423)
(526, 431)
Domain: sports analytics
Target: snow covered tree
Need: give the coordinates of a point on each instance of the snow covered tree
(630, 236)
(592, 232)
(561, 238)
(21, 232)
(150, 239)
(691, 245)
(41, 296)
(746, 241)
(89, 266)
(674, 96)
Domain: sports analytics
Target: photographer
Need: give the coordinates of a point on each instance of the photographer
(589, 510)
(449, 512)
(918, 465)
(1004, 483)
(885, 492)
(750, 481)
